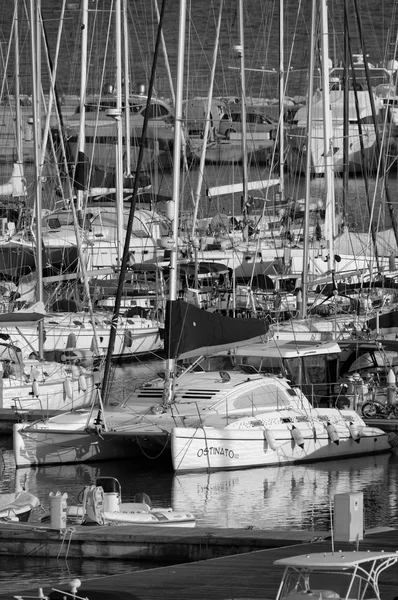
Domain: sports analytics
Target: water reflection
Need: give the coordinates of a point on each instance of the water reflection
(289, 497)
(286, 497)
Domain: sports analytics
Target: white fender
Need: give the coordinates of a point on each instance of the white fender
(297, 436)
(269, 436)
(332, 433)
(71, 341)
(68, 388)
(128, 338)
(82, 383)
(35, 389)
(354, 432)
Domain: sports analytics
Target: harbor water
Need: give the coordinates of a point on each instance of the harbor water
(288, 497)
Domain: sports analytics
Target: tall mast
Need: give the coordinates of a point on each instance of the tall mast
(170, 365)
(308, 163)
(127, 132)
(18, 119)
(328, 137)
(129, 227)
(83, 84)
(35, 11)
(243, 101)
(119, 124)
(281, 103)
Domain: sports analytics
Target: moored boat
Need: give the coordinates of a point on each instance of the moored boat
(346, 575)
(102, 504)
(17, 506)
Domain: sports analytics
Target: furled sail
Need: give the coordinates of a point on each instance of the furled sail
(191, 331)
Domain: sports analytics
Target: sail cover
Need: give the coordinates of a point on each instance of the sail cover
(386, 323)
(191, 331)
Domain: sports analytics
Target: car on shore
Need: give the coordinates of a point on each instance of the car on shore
(257, 123)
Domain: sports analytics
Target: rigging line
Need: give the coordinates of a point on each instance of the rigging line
(126, 249)
(390, 204)
(102, 79)
(207, 125)
(360, 134)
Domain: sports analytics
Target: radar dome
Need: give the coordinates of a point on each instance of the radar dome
(392, 65)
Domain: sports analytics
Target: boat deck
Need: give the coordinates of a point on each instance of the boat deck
(245, 575)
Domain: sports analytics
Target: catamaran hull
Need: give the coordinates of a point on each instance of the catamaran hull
(37, 447)
(205, 449)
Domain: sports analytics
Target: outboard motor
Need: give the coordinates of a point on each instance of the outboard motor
(93, 505)
(112, 495)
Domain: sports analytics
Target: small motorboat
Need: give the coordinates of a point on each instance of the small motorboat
(17, 506)
(345, 575)
(102, 504)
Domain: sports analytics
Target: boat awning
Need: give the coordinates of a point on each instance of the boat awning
(234, 188)
(202, 268)
(145, 267)
(288, 349)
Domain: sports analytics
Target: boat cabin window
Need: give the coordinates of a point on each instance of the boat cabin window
(156, 111)
(53, 223)
(268, 396)
(217, 363)
(269, 364)
(60, 219)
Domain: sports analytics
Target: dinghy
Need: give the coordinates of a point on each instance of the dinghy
(17, 506)
(102, 505)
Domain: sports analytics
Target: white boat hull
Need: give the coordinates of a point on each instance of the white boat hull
(66, 446)
(52, 395)
(136, 335)
(202, 449)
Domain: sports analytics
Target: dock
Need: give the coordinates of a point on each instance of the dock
(140, 542)
(217, 564)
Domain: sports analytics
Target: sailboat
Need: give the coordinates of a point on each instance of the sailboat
(203, 421)
(360, 109)
(31, 385)
(70, 252)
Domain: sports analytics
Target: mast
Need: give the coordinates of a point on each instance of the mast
(119, 124)
(35, 10)
(127, 132)
(346, 98)
(243, 101)
(170, 365)
(308, 163)
(281, 103)
(328, 137)
(18, 119)
(129, 228)
(83, 84)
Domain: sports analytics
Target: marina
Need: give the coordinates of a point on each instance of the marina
(169, 232)
(250, 575)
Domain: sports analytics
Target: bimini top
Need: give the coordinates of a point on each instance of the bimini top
(336, 561)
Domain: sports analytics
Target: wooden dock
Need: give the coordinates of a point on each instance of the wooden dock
(243, 575)
(140, 542)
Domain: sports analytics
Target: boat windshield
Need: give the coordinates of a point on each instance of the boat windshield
(349, 584)
(267, 395)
